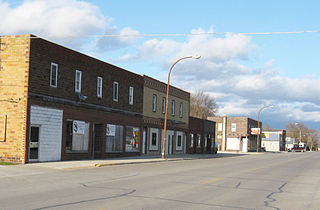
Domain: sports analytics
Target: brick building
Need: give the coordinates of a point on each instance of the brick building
(234, 133)
(154, 100)
(58, 104)
(201, 136)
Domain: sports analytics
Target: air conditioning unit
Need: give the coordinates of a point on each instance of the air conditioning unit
(82, 97)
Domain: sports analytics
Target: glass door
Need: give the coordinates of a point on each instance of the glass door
(34, 143)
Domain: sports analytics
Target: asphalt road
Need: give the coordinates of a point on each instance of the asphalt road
(266, 181)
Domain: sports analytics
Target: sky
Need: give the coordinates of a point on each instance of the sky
(243, 72)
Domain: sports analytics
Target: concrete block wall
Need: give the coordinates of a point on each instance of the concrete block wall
(14, 69)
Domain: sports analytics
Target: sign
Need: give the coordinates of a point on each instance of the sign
(78, 127)
(255, 131)
(111, 130)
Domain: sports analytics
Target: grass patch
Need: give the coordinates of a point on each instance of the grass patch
(6, 164)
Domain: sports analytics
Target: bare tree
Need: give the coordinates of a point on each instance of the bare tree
(267, 128)
(297, 131)
(202, 105)
(313, 139)
(308, 136)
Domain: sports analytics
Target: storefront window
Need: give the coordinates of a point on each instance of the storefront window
(77, 136)
(205, 141)
(114, 138)
(191, 140)
(198, 141)
(132, 139)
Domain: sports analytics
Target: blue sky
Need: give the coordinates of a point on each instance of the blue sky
(243, 72)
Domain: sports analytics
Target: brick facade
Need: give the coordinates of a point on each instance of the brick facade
(14, 68)
(153, 120)
(235, 127)
(201, 136)
(39, 105)
(25, 83)
(43, 53)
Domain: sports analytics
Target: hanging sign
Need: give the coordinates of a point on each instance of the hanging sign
(255, 131)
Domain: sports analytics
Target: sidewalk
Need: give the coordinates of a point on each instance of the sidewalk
(78, 164)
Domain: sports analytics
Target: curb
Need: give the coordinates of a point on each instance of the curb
(126, 163)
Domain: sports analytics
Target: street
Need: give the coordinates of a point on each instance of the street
(253, 181)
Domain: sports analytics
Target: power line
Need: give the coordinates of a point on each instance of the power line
(173, 34)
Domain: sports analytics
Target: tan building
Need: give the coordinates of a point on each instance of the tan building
(234, 133)
(154, 99)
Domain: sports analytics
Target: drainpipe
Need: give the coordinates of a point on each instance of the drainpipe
(224, 133)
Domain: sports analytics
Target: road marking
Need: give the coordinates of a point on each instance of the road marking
(211, 180)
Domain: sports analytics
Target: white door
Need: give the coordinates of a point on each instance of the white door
(169, 141)
(245, 144)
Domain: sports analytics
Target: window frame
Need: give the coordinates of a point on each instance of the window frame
(131, 93)
(56, 77)
(154, 102)
(78, 90)
(173, 107)
(164, 100)
(181, 110)
(99, 89)
(153, 147)
(179, 147)
(115, 96)
(233, 127)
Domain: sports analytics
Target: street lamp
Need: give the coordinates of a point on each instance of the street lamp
(264, 107)
(167, 100)
(299, 131)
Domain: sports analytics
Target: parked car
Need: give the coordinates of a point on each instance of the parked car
(298, 148)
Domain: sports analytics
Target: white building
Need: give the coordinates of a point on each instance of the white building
(273, 141)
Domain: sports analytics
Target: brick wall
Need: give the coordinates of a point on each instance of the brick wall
(44, 52)
(147, 106)
(14, 61)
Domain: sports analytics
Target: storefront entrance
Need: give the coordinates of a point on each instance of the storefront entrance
(34, 143)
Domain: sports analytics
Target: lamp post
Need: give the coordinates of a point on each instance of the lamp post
(299, 131)
(258, 138)
(167, 100)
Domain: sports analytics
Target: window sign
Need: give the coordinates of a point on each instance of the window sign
(111, 130)
(78, 127)
(132, 139)
(114, 138)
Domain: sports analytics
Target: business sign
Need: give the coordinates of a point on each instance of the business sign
(255, 131)
(111, 130)
(78, 127)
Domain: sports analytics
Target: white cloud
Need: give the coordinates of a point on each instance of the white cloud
(55, 18)
(66, 22)
(127, 37)
(224, 72)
